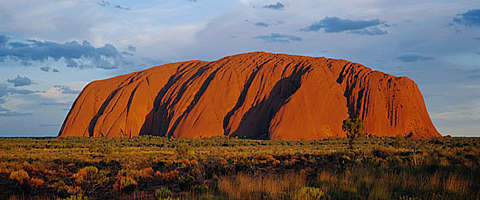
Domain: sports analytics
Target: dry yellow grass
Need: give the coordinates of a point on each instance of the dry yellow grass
(243, 186)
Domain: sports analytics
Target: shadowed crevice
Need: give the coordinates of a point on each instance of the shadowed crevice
(158, 119)
(343, 73)
(241, 98)
(130, 99)
(185, 86)
(93, 122)
(255, 122)
(350, 77)
(355, 109)
(194, 102)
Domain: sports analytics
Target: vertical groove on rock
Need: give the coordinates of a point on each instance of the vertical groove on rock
(258, 118)
(93, 122)
(241, 98)
(194, 102)
(158, 120)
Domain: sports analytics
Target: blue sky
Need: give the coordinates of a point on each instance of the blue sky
(49, 50)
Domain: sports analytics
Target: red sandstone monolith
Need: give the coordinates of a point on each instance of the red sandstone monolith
(253, 95)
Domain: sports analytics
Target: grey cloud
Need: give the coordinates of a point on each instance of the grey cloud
(263, 24)
(122, 7)
(4, 91)
(3, 40)
(276, 6)
(13, 114)
(413, 58)
(104, 3)
(54, 104)
(370, 31)
(474, 77)
(337, 25)
(469, 18)
(473, 74)
(4, 112)
(276, 37)
(16, 91)
(20, 81)
(17, 44)
(50, 125)
(66, 90)
(132, 48)
(73, 53)
(24, 62)
(45, 69)
(127, 53)
(476, 38)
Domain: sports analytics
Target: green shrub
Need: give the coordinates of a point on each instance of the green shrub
(310, 193)
(125, 184)
(85, 174)
(163, 192)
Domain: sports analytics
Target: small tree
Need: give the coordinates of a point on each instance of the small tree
(354, 128)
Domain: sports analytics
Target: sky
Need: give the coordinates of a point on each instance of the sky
(50, 49)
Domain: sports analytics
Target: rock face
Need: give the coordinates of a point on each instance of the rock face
(254, 95)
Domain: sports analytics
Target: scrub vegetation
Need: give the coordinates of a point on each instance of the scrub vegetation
(150, 167)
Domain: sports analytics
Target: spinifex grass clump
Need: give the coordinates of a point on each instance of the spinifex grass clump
(228, 168)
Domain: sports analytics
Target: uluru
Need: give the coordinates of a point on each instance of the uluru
(252, 95)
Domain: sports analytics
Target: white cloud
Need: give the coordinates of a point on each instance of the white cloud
(467, 111)
(57, 94)
(52, 93)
